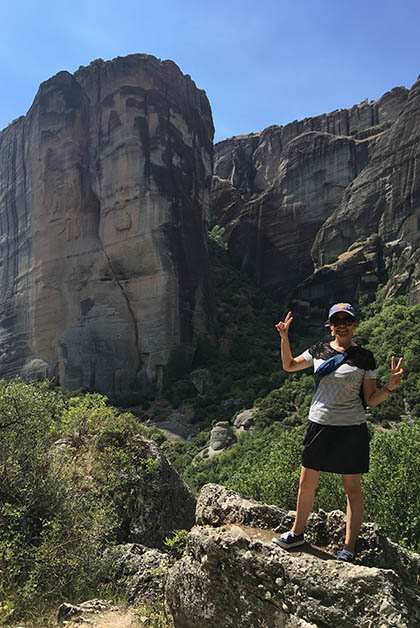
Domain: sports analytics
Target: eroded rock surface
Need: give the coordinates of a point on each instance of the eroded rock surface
(140, 571)
(384, 199)
(294, 199)
(245, 420)
(103, 198)
(161, 503)
(222, 436)
(231, 574)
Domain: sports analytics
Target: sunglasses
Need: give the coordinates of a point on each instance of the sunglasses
(345, 320)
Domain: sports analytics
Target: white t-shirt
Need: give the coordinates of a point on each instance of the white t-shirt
(337, 399)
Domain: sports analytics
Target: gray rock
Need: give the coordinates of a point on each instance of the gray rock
(232, 575)
(221, 436)
(62, 444)
(217, 505)
(296, 201)
(244, 421)
(35, 369)
(103, 259)
(274, 190)
(140, 570)
(384, 199)
(161, 504)
(68, 612)
(176, 423)
(201, 379)
(354, 272)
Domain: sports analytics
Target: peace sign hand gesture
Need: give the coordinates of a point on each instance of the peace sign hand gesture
(283, 326)
(395, 377)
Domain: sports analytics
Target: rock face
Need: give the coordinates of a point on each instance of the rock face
(231, 574)
(384, 199)
(293, 199)
(104, 191)
(160, 503)
(140, 571)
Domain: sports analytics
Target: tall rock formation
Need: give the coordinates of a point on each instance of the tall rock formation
(384, 200)
(315, 194)
(104, 189)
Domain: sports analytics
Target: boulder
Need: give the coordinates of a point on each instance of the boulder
(160, 504)
(232, 575)
(222, 436)
(138, 571)
(201, 380)
(244, 421)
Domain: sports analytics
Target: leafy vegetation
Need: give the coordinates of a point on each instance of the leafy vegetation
(62, 501)
(241, 352)
(391, 327)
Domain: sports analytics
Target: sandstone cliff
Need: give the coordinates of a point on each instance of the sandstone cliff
(293, 199)
(103, 198)
(231, 574)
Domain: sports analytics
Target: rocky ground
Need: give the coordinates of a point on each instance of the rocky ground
(232, 575)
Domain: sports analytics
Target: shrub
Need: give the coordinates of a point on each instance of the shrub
(48, 531)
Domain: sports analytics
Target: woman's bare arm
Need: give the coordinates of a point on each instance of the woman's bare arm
(290, 363)
(373, 395)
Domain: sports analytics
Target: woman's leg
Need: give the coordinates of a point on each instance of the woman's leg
(305, 500)
(355, 509)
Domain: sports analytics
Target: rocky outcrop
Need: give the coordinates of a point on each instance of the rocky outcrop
(103, 198)
(137, 571)
(384, 199)
(159, 502)
(222, 436)
(245, 420)
(231, 574)
(149, 498)
(321, 185)
(356, 271)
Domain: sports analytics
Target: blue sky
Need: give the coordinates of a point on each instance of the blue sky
(261, 62)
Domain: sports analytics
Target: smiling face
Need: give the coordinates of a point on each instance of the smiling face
(342, 325)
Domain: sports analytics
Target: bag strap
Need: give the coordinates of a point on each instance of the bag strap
(329, 366)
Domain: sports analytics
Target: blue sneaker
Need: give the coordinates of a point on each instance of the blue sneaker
(346, 556)
(289, 539)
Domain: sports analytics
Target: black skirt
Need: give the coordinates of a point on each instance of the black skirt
(336, 448)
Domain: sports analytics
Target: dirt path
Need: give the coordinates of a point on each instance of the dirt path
(106, 619)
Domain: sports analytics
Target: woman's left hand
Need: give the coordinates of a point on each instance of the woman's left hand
(395, 378)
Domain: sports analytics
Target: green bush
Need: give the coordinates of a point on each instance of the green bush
(48, 530)
(393, 328)
(60, 505)
(391, 486)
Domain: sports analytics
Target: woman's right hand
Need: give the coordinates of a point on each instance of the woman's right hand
(283, 326)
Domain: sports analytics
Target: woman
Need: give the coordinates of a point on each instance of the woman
(337, 438)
